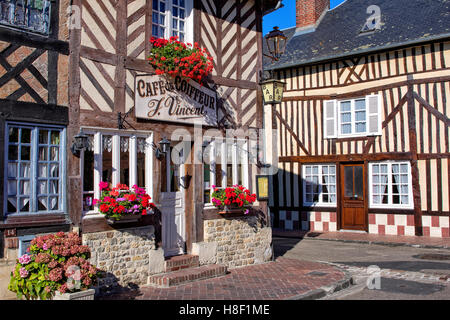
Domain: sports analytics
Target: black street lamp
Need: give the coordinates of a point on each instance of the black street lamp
(80, 142)
(276, 44)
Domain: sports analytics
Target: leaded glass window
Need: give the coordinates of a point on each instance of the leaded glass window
(30, 15)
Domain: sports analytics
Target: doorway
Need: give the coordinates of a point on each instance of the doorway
(173, 203)
(353, 213)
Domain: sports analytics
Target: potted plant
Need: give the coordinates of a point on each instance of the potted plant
(122, 204)
(236, 199)
(174, 58)
(55, 267)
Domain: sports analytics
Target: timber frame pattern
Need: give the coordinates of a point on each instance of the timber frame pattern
(414, 85)
(33, 88)
(111, 49)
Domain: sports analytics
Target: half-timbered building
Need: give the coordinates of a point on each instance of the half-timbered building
(109, 68)
(70, 69)
(34, 117)
(363, 130)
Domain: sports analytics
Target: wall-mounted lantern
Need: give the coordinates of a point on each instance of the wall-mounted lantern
(276, 44)
(80, 143)
(272, 90)
(163, 148)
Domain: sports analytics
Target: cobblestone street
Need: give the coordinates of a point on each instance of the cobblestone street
(392, 271)
(279, 280)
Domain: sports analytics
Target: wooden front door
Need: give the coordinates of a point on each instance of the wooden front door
(353, 215)
(172, 206)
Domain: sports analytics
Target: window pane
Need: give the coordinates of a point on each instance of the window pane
(13, 153)
(42, 204)
(43, 136)
(55, 138)
(43, 172)
(12, 187)
(360, 104)
(54, 187)
(53, 203)
(13, 135)
(346, 128)
(43, 153)
(348, 173)
(42, 187)
(24, 205)
(12, 205)
(26, 136)
(345, 106)
(360, 127)
(25, 153)
(107, 159)
(12, 170)
(54, 154)
(25, 187)
(124, 160)
(207, 183)
(218, 174)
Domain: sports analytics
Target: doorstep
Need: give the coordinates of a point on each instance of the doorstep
(187, 275)
(357, 237)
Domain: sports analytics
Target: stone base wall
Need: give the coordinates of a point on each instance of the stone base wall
(122, 255)
(235, 242)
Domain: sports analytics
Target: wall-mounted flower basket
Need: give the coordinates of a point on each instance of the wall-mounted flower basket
(174, 58)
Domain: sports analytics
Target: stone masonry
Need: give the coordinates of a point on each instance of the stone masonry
(238, 242)
(122, 255)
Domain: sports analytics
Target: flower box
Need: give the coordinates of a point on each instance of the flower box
(124, 219)
(234, 210)
(81, 295)
(235, 200)
(174, 58)
(123, 204)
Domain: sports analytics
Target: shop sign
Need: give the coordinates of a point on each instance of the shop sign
(174, 100)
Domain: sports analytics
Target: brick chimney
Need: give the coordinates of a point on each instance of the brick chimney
(309, 12)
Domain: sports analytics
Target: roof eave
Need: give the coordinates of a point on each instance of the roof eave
(272, 6)
(360, 52)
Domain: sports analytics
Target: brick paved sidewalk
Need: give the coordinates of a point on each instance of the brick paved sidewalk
(426, 242)
(278, 280)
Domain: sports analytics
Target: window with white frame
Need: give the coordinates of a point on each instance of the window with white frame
(319, 185)
(30, 15)
(172, 18)
(391, 185)
(35, 167)
(225, 165)
(115, 157)
(352, 117)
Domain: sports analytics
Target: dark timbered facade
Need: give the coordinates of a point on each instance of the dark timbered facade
(34, 119)
(363, 130)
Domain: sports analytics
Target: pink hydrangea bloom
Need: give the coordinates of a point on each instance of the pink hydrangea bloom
(23, 272)
(25, 259)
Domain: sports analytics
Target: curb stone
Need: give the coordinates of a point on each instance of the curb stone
(326, 290)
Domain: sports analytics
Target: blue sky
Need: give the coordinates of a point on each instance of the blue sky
(285, 17)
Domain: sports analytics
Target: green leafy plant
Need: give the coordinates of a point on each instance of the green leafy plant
(55, 262)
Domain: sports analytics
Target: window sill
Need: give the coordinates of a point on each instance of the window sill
(37, 219)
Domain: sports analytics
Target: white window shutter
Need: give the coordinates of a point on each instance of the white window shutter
(329, 119)
(373, 103)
